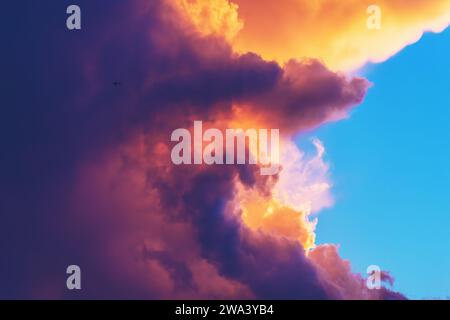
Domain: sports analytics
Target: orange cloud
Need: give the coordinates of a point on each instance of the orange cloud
(285, 210)
(267, 215)
(334, 31)
(212, 16)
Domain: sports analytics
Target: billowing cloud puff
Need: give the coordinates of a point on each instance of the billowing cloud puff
(334, 31)
(306, 95)
(341, 283)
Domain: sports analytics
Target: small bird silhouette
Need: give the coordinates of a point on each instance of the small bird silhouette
(116, 83)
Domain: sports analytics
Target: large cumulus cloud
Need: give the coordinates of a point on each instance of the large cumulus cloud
(86, 171)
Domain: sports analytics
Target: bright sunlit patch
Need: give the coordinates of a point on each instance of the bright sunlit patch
(302, 189)
(267, 215)
(333, 31)
(217, 17)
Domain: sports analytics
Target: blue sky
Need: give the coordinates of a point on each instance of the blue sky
(391, 175)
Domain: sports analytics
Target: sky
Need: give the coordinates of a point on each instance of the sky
(391, 174)
(86, 176)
